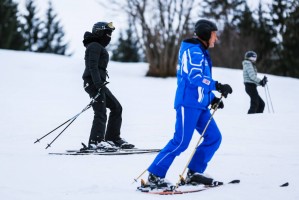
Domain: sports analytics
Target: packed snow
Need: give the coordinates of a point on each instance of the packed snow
(41, 91)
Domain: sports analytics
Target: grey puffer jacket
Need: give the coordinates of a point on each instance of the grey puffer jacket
(250, 73)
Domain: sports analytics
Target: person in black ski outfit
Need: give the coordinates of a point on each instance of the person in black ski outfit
(94, 76)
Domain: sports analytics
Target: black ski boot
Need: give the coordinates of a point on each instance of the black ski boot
(121, 143)
(156, 182)
(195, 178)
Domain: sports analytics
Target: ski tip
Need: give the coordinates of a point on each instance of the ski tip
(235, 181)
(84, 145)
(285, 184)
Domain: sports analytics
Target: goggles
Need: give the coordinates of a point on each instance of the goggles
(108, 26)
(253, 59)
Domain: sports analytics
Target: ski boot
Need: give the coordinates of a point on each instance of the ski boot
(106, 147)
(121, 143)
(156, 182)
(195, 178)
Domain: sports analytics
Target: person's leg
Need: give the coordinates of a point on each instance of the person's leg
(186, 119)
(115, 117)
(98, 128)
(210, 144)
(251, 90)
(261, 107)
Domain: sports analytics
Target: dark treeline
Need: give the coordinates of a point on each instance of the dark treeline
(270, 30)
(29, 32)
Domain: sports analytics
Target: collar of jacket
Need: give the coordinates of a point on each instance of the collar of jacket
(195, 40)
(90, 37)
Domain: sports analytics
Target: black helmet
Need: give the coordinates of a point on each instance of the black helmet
(203, 29)
(100, 27)
(250, 55)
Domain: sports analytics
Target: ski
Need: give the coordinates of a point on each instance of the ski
(183, 189)
(99, 152)
(119, 150)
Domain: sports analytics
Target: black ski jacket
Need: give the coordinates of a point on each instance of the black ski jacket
(96, 61)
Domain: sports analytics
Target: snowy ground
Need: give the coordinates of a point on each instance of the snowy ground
(40, 91)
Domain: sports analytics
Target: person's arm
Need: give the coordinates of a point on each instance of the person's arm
(195, 67)
(93, 60)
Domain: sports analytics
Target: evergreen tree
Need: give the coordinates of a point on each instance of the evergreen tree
(127, 50)
(32, 26)
(10, 34)
(247, 32)
(241, 32)
(290, 52)
(247, 25)
(224, 11)
(280, 12)
(265, 35)
(52, 39)
(257, 35)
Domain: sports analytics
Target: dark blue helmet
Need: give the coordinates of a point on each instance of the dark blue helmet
(100, 27)
(250, 55)
(203, 29)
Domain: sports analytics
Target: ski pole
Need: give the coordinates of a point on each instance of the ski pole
(181, 178)
(93, 100)
(38, 140)
(267, 100)
(136, 179)
(73, 119)
(270, 98)
(88, 106)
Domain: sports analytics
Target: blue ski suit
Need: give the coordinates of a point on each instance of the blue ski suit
(193, 96)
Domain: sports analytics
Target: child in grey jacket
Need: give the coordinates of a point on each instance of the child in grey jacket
(251, 82)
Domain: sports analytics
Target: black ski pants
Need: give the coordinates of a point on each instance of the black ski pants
(257, 104)
(105, 100)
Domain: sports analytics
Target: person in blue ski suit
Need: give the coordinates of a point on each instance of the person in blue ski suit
(193, 96)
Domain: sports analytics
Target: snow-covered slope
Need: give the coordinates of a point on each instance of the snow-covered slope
(40, 91)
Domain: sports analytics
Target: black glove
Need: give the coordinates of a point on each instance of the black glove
(224, 89)
(215, 102)
(264, 81)
(101, 90)
(103, 87)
